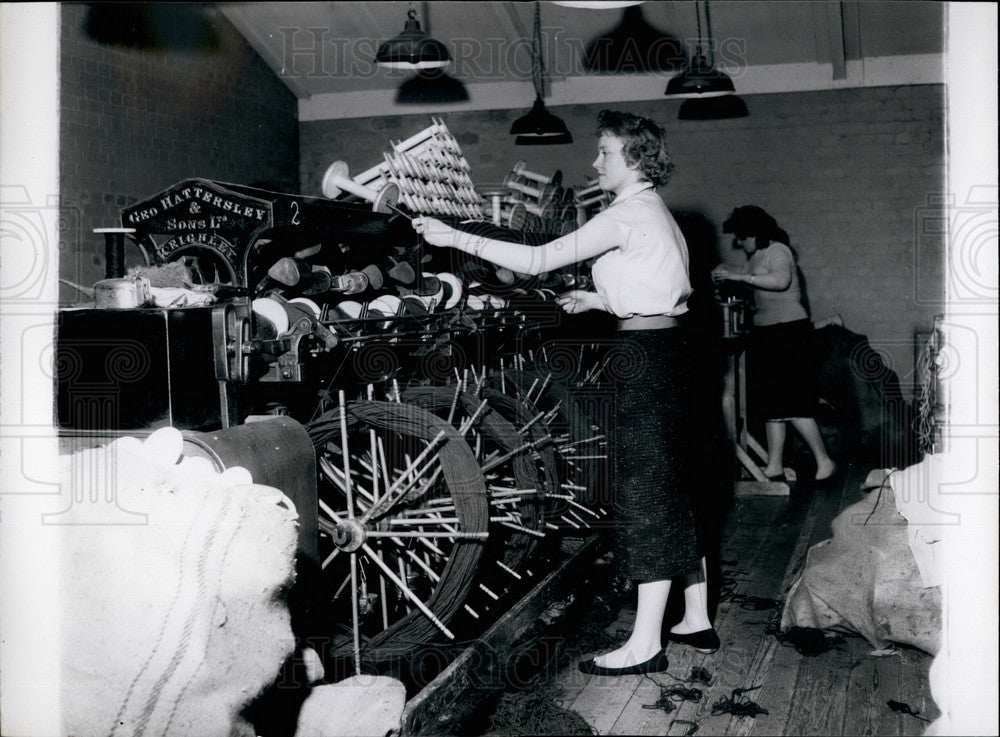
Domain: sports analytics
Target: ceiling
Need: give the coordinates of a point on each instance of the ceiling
(327, 48)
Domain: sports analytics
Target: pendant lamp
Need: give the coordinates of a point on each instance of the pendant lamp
(153, 26)
(713, 108)
(700, 79)
(539, 127)
(634, 46)
(431, 87)
(412, 49)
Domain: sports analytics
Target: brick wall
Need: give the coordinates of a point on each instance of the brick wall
(850, 174)
(135, 122)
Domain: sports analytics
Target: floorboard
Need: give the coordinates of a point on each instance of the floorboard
(843, 691)
(777, 670)
(603, 700)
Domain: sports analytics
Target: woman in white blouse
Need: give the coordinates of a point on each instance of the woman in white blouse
(641, 276)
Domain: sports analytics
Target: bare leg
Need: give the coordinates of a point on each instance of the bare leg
(729, 403)
(695, 604)
(809, 430)
(644, 642)
(775, 431)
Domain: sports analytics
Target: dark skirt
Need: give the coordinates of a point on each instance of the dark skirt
(783, 371)
(654, 525)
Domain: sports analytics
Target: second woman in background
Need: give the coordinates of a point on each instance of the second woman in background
(783, 371)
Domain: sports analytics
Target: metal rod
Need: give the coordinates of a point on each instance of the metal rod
(344, 451)
(581, 442)
(409, 594)
(424, 520)
(509, 570)
(526, 530)
(475, 416)
(572, 500)
(399, 212)
(454, 400)
(388, 500)
(580, 519)
(335, 475)
(532, 421)
(511, 492)
(416, 477)
(400, 533)
(507, 456)
(355, 623)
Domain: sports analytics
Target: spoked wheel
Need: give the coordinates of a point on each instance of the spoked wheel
(403, 515)
(515, 483)
(541, 459)
(578, 444)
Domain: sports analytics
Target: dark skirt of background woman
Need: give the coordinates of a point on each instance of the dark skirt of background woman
(784, 371)
(655, 532)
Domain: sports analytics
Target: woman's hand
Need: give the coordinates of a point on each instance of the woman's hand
(722, 273)
(435, 232)
(579, 300)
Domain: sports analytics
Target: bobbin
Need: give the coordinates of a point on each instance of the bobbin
(431, 131)
(532, 223)
(365, 177)
(336, 181)
(513, 215)
(602, 197)
(590, 188)
(521, 170)
(452, 141)
(540, 194)
(548, 210)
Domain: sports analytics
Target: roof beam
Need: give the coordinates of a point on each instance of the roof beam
(828, 27)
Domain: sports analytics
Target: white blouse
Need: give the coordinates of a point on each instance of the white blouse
(647, 271)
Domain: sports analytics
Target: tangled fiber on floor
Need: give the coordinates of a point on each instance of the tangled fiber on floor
(535, 711)
(670, 696)
(591, 635)
(809, 641)
(738, 705)
(901, 707)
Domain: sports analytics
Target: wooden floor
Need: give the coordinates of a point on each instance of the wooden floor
(844, 691)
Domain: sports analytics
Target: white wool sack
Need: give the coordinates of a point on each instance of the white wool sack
(170, 627)
(360, 706)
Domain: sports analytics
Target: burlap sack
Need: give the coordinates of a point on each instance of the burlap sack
(865, 580)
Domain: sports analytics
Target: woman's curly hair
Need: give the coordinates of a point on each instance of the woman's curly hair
(643, 141)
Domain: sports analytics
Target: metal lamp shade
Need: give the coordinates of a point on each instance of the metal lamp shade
(713, 108)
(432, 87)
(700, 80)
(539, 127)
(413, 49)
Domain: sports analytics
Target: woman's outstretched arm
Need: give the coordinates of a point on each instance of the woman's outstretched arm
(592, 239)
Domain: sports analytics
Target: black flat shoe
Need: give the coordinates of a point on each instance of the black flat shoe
(656, 664)
(704, 641)
(835, 475)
